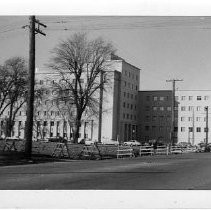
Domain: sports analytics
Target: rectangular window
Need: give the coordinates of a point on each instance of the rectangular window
(146, 128)
(183, 119)
(206, 130)
(160, 128)
(182, 129)
(190, 119)
(161, 118)
(190, 129)
(52, 123)
(124, 104)
(161, 98)
(190, 108)
(182, 108)
(153, 128)
(168, 108)
(154, 118)
(206, 98)
(161, 108)
(155, 98)
(183, 98)
(154, 108)
(198, 108)
(198, 119)
(190, 98)
(198, 129)
(176, 98)
(198, 98)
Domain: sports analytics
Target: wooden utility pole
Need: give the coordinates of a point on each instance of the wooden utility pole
(193, 140)
(31, 82)
(206, 128)
(172, 109)
(100, 107)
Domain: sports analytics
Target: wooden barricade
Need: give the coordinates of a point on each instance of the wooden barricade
(146, 150)
(188, 150)
(90, 152)
(162, 150)
(60, 150)
(125, 151)
(11, 143)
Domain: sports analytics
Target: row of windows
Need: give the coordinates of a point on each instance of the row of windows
(160, 128)
(155, 118)
(198, 119)
(158, 108)
(183, 129)
(129, 106)
(191, 108)
(129, 116)
(156, 98)
(131, 86)
(131, 75)
(190, 98)
(190, 129)
(51, 82)
(130, 95)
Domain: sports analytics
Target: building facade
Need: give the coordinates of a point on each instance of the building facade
(192, 115)
(155, 115)
(119, 116)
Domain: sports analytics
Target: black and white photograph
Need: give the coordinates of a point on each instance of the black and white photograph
(110, 102)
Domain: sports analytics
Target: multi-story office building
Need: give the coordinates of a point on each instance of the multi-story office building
(192, 115)
(189, 115)
(120, 108)
(155, 115)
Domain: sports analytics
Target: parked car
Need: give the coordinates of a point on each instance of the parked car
(132, 143)
(111, 142)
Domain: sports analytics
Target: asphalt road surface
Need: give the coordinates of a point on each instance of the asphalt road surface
(186, 171)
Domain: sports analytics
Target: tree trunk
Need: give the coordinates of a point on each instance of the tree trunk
(76, 128)
(10, 123)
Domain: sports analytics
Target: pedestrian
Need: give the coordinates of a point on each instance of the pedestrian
(155, 144)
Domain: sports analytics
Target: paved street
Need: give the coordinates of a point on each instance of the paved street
(187, 171)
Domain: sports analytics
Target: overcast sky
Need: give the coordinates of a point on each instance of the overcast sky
(163, 47)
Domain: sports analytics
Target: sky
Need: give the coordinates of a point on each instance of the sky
(163, 47)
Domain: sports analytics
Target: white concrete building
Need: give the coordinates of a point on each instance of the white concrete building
(192, 115)
(120, 102)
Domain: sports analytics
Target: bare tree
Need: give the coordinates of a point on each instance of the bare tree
(79, 62)
(13, 80)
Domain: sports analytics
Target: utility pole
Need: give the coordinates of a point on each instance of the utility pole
(193, 140)
(100, 107)
(206, 128)
(172, 108)
(31, 81)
